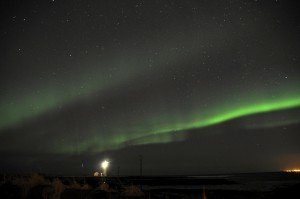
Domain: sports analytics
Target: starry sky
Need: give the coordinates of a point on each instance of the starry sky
(193, 86)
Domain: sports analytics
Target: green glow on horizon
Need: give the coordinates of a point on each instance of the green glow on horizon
(229, 114)
(165, 133)
(248, 110)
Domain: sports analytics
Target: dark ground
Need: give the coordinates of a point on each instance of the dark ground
(254, 185)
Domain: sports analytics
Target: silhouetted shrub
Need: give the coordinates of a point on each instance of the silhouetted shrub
(133, 191)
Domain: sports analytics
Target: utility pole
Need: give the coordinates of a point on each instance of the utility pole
(141, 165)
(141, 169)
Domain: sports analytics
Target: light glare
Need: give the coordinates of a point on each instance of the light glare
(104, 164)
(293, 170)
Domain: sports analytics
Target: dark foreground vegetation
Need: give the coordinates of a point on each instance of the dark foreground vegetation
(242, 186)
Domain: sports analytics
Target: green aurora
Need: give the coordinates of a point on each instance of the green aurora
(173, 131)
(20, 105)
(158, 126)
(195, 86)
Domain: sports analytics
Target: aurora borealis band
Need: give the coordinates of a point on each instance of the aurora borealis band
(89, 79)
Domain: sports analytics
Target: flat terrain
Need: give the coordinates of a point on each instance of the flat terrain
(253, 185)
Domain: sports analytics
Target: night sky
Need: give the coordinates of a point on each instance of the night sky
(195, 86)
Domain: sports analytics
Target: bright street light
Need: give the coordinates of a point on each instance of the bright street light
(104, 166)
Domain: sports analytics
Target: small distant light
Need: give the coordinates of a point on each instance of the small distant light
(96, 174)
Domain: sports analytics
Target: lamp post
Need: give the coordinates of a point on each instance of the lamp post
(104, 166)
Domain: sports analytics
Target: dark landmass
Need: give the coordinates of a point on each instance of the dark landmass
(252, 185)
